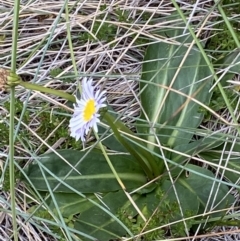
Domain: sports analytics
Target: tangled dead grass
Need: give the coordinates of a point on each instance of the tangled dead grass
(109, 39)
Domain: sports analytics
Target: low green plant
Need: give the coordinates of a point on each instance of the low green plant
(49, 119)
(222, 40)
(175, 83)
(54, 120)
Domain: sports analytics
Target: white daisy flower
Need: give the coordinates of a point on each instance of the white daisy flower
(86, 109)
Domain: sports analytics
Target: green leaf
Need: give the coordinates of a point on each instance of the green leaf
(188, 201)
(161, 62)
(212, 196)
(193, 149)
(71, 204)
(229, 157)
(91, 174)
(99, 224)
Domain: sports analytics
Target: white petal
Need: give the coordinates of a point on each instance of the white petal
(95, 128)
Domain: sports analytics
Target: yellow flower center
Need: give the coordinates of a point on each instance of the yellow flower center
(89, 110)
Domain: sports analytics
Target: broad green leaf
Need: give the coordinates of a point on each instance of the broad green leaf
(95, 174)
(70, 204)
(99, 224)
(193, 149)
(228, 156)
(161, 62)
(148, 188)
(188, 201)
(212, 196)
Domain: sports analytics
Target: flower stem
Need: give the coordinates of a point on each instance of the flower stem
(109, 162)
(36, 87)
(11, 162)
(117, 177)
(12, 112)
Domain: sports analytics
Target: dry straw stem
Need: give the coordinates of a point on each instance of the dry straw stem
(4, 73)
(114, 63)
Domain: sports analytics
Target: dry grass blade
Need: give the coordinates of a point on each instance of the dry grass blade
(109, 40)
